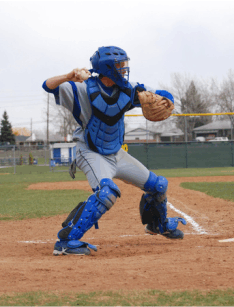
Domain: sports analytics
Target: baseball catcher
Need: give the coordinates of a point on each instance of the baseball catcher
(98, 103)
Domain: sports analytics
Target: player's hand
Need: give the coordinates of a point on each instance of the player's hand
(78, 75)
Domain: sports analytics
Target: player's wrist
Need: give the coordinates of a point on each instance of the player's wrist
(67, 77)
(54, 82)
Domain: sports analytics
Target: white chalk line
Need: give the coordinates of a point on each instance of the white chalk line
(198, 229)
(227, 240)
(95, 238)
(189, 219)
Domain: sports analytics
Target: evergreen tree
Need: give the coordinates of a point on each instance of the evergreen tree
(6, 130)
(192, 102)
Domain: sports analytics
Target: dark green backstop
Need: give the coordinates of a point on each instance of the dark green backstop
(183, 155)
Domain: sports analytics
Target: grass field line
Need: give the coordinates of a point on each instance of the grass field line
(189, 219)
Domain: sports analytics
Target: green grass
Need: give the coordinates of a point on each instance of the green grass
(121, 298)
(223, 190)
(18, 203)
(196, 172)
(33, 173)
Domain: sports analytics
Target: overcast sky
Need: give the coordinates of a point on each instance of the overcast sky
(41, 39)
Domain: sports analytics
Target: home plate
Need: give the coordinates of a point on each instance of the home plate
(227, 240)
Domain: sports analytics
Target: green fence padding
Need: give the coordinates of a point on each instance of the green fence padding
(183, 155)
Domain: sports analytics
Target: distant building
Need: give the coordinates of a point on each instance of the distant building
(20, 139)
(156, 136)
(217, 128)
(172, 135)
(39, 139)
(141, 134)
(63, 153)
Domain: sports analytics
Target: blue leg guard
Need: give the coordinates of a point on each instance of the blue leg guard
(153, 208)
(87, 214)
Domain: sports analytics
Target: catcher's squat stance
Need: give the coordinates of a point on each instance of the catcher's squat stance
(98, 104)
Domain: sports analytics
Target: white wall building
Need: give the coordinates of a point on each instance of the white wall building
(141, 134)
(63, 153)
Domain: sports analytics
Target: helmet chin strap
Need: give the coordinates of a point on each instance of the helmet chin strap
(107, 81)
(104, 79)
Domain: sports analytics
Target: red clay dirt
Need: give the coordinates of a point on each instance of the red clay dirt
(127, 258)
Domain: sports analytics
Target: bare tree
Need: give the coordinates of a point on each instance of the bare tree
(191, 96)
(60, 118)
(225, 97)
(64, 121)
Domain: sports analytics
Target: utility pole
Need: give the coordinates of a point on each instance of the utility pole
(64, 130)
(31, 127)
(47, 129)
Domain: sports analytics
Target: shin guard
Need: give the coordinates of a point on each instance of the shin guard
(87, 214)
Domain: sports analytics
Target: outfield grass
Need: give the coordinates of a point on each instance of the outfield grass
(18, 203)
(33, 174)
(223, 190)
(43, 173)
(196, 172)
(122, 298)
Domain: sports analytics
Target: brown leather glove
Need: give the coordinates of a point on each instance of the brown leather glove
(155, 107)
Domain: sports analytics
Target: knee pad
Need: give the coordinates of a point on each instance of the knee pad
(153, 205)
(156, 185)
(87, 214)
(108, 193)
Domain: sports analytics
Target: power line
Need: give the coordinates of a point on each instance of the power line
(20, 90)
(21, 100)
(34, 122)
(18, 96)
(28, 124)
(23, 105)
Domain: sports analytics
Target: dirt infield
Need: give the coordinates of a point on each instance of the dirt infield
(127, 258)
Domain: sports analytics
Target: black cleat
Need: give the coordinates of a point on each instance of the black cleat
(72, 248)
(170, 234)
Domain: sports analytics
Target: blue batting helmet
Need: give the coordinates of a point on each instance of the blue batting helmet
(112, 62)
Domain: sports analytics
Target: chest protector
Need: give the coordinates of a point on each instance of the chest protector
(105, 130)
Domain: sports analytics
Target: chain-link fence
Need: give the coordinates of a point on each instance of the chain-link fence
(186, 141)
(12, 156)
(162, 155)
(8, 157)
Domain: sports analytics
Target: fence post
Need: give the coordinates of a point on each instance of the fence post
(185, 129)
(232, 152)
(14, 161)
(50, 159)
(45, 154)
(147, 144)
(186, 155)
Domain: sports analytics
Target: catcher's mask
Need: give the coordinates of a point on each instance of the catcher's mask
(111, 62)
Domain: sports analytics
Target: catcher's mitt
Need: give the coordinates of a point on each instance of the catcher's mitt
(155, 107)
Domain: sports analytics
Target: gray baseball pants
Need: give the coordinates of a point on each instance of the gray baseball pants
(120, 165)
